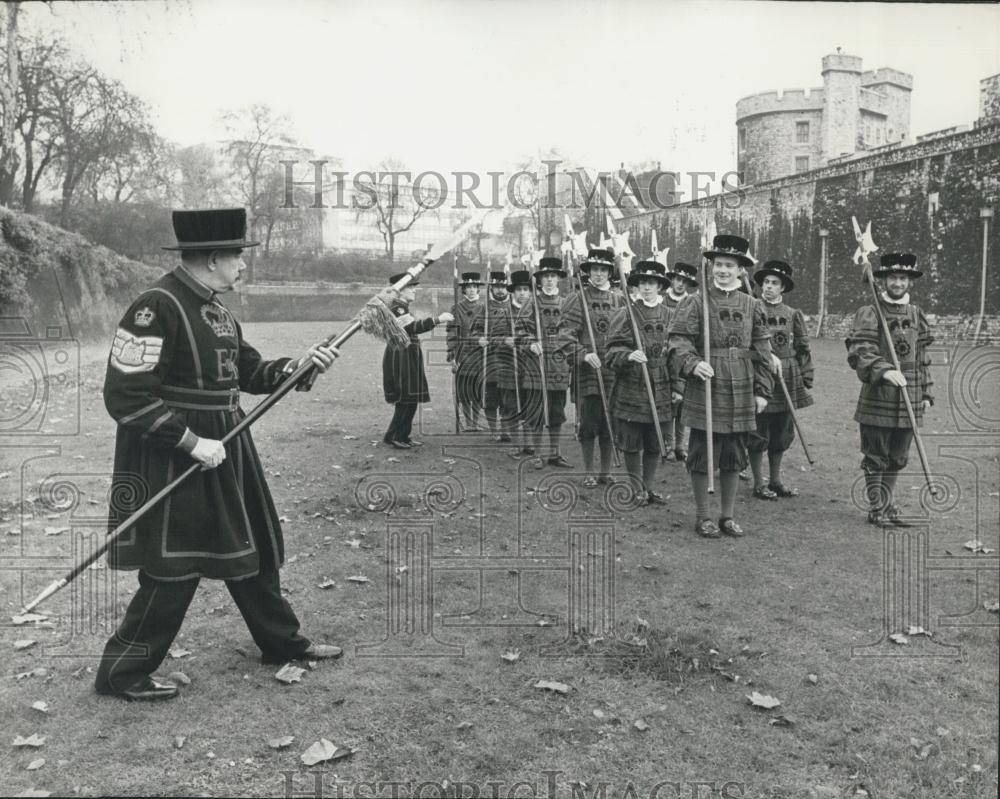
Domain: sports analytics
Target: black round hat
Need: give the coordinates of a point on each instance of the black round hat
(778, 269)
(900, 263)
(686, 271)
(211, 229)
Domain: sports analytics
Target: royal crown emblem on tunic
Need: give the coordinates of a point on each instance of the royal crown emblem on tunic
(144, 317)
(218, 319)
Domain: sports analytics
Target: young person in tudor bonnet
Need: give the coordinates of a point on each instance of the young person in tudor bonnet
(635, 430)
(602, 305)
(464, 353)
(881, 413)
(790, 344)
(739, 367)
(683, 279)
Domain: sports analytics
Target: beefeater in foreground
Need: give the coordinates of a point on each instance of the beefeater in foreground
(886, 433)
(740, 371)
(175, 372)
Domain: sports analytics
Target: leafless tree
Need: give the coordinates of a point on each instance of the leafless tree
(9, 80)
(390, 204)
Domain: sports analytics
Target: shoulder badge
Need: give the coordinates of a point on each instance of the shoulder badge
(144, 316)
(135, 354)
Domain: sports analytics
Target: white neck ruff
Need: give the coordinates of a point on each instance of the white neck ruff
(904, 300)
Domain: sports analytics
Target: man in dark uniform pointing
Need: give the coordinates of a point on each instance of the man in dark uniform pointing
(177, 366)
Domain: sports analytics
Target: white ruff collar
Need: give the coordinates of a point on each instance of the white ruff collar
(553, 293)
(776, 302)
(904, 300)
(736, 286)
(675, 297)
(659, 299)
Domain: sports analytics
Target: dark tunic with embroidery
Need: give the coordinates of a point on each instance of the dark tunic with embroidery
(740, 356)
(553, 345)
(881, 404)
(630, 400)
(499, 357)
(790, 342)
(463, 345)
(176, 369)
(670, 302)
(403, 378)
(506, 366)
(603, 305)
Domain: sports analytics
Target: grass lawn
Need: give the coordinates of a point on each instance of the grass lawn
(470, 555)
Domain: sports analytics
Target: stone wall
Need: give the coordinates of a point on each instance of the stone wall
(782, 219)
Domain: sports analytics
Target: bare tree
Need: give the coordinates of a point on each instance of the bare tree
(393, 211)
(203, 183)
(260, 138)
(9, 81)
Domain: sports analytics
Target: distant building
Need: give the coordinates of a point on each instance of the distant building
(853, 112)
(989, 100)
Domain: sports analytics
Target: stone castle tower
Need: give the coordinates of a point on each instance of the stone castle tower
(853, 112)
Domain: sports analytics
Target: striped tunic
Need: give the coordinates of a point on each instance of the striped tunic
(879, 403)
(554, 346)
(499, 357)
(603, 306)
(629, 399)
(790, 342)
(740, 354)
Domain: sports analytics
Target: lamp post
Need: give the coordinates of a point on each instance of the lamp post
(823, 234)
(986, 214)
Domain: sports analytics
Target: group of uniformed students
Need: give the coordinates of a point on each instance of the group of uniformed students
(179, 362)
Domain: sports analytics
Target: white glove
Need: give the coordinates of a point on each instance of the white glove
(593, 359)
(536, 348)
(638, 356)
(209, 452)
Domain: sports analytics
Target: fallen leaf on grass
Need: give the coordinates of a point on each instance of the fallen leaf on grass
(640, 725)
(322, 751)
(33, 740)
(357, 578)
(452, 461)
(463, 725)
(549, 685)
(976, 547)
(178, 652)
(758, 699)
(179, 676)
(392, 459)
(289, 674)
(56, 530)
(811, 677)
(24, 643)
(915, 630)
(38, 762)
(992, 607)
(327, 583)
(41, 707)
(899, 638)
(352, 438)
(179, 741)
(511, 655)
(282, 742)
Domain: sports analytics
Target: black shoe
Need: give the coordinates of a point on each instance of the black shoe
(875, 518)
(681, 455)
(399, 445)
(322, 652)
(413, 442)
(782, 490)
(652, 498)
(706, 528)
(730, 528)
(764, 492)
(148, 689)
(891, 516)
(606, 480)
(559, 460)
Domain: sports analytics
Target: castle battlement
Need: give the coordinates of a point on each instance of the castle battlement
(779, 101)
(884, 75)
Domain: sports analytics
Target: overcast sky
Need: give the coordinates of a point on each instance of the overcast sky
(477, 85)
